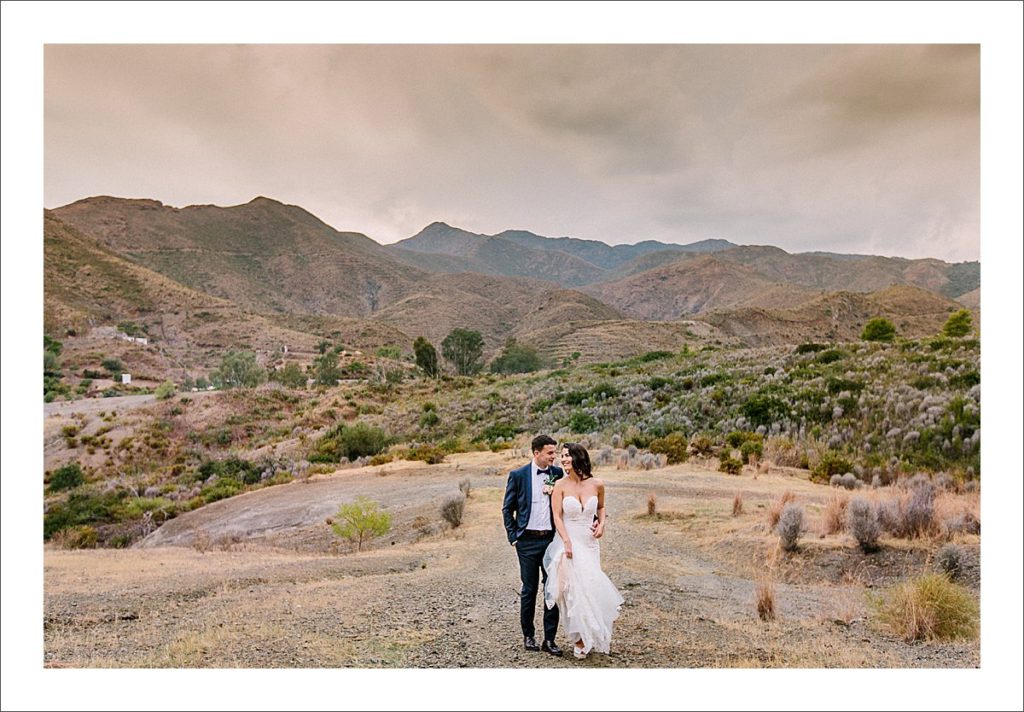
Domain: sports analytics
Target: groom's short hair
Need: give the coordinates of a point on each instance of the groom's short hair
(542, 441)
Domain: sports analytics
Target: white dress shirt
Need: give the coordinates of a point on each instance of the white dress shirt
(540, 503)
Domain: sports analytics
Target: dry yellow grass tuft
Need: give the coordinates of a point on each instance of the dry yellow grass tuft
(652, 504)
(737, 505)
(775, 510)
(834, 517)
(930, 607)
(764, 599)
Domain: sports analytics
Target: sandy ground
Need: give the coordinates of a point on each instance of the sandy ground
(261, 581)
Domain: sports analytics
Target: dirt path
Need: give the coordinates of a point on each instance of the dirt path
(426, 597)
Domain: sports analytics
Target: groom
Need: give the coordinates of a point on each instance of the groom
(527, 514)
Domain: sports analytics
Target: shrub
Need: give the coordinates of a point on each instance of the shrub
(113, 365)
(291, 375)
(762, 409)
(831, 463)
(729, 464)
(829, 356)
(950, 560)
(580, 422)
(67, 477)
(790, 526)
(81, 537)
(429, 419)
(517, 358)
(930, 607)
(453, 508)
(505, 431)
(426, 357)
(783, 451)
(702, 445)
(238, 369)
(165, 390)
(360, 520)
(751, 449)
(863, 524)
(465, 486)
(354, 441)
(879, 329)
(672, 445)
(958, 324)
(430, 454)
(652, 504)
(737, 505)
(810, 348)
(919, 511)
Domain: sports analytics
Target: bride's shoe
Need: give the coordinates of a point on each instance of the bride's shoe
(578, 653)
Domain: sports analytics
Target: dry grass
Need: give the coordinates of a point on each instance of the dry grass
(775, 510)
(930, 607)
(737, 505)
(764, 600)
(652, 504)
(834, 517)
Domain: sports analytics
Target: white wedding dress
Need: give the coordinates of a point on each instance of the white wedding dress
(587, 600)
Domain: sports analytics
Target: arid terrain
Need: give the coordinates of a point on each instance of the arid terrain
(260, 580)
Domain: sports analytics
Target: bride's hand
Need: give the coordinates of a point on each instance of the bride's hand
(568, 549)
(598, 530)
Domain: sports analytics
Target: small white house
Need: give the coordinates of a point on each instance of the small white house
(126, 378)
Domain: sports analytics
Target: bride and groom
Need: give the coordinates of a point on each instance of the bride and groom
(554, 517)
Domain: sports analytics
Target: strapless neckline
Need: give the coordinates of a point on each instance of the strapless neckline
(583, 505)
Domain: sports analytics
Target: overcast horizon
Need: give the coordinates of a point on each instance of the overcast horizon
(861, 149)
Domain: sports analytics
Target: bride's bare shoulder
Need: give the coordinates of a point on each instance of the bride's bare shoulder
(598, 482)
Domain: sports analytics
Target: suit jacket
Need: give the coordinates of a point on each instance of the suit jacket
(518, 499)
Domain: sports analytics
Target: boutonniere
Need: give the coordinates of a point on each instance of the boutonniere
(549, 483)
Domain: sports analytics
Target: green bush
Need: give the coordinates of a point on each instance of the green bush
(829, 356)
(810, 348)
(879, 329)
(430, 454)
(351, 441)
(580, 422)
(165, 390)
(82, 508)
(429, 419)
(958, 324)
(113, 366)
(673, 445)
(751, 447)
(291, 375)
(67, 477)
(831, 463)
(81, 537)
(729, 464)
(763, 409)
(703, 445)
(737, 437)
(506, 431)
(517, 358)
(391, 352)
(360, 520)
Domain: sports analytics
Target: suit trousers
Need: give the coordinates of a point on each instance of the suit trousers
(531, 570)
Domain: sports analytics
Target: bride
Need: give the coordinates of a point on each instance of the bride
(586, 598)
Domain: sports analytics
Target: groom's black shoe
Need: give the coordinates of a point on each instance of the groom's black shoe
(550, 646)
(530, 644)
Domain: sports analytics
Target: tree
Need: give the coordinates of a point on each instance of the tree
(958, 324)
(426, 356)
(325, 369)
(361, 520)
(879, 329)
(238, 369)
(290, 375)
(464, 348)
(516, 358)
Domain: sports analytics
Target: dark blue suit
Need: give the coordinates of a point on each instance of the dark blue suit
(530, 549)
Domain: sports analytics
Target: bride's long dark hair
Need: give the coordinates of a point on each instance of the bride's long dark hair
(580, 460)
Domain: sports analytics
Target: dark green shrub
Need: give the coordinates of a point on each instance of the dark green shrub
(580, 422)
(838, 385)
(67, 477)
(830, 356)
(506, 431)
(762, 409)
(430, 454)
(703, 445)
(810, 348)
(729, 464)
(879, 329)
(350, 441)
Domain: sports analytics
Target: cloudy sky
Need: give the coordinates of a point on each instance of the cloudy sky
(848, 148)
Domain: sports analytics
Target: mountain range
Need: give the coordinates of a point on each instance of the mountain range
(268, 273)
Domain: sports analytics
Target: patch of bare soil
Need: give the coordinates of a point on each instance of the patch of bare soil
(259, 580)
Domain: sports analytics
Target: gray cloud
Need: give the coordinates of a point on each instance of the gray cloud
(855, 148)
